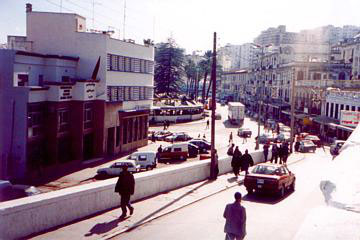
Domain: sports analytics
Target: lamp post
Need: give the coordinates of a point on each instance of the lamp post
(213, 173)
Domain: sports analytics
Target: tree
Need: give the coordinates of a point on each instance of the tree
(169, 67)
(190, 72)
(205, 68)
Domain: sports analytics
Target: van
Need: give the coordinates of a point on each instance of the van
(179, 151)
(146, 160)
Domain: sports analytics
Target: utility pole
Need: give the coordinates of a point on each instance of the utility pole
(213, 164)
(293, 91)
(260, 98)
(124, 18)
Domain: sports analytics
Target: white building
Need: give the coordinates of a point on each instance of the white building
(123, 72)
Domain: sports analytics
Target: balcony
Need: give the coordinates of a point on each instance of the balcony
(329, 83)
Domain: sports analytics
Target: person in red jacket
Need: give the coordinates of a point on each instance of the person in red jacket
(125, 186)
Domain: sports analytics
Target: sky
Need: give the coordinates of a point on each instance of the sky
(190, 22)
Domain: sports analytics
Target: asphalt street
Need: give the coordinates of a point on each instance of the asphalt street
(267, 217)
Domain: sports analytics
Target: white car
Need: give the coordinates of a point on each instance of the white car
(116, 168)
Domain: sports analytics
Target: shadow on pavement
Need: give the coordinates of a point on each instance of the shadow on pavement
(104, 227)
(138, 223)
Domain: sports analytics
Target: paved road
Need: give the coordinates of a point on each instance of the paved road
(223, 129)
(268, 217)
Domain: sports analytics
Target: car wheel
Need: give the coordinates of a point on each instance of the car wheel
(182, 158)
(282, 192)
(292, 186)
(249, 190)
(148, 168)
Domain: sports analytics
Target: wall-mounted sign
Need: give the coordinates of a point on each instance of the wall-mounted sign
(349, 118)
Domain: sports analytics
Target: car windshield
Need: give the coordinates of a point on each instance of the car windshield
(262, 169)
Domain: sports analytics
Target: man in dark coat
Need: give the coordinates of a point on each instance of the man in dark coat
(285, 152)
(235, 215)
(266, 151)
(274, 153)
(230, 151)
(235, 162)
(125, 186)
(246, 161)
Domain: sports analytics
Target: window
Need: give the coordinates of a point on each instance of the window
(353, 108)
(88, 115)
(142, 157)
(177, 149)
(41, 80)
(63, 120)
(347, 107)
(65, 79)
(327, 109)
(118, 135)
(336, 111)
(127, 64)
(23, 79)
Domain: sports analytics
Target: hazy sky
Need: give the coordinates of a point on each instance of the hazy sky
(190, 22)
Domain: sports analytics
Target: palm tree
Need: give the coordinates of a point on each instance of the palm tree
(190, 72)
(205, 68)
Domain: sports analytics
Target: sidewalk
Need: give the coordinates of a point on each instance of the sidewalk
(106, 224)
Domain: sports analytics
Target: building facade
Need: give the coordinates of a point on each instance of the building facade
(115, 119)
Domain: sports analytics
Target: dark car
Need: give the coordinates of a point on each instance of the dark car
(244, 132)
(202, 144)
(307, 146)
(270, 178)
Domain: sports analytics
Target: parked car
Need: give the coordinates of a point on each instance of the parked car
(116, 168)
(146, 160)
(179, 151)
(335, 148)
(9, 191)
(178, 137)
(315, 139)
(267, 137)
(161, 135)
(270, 178)
(303, 135)
(244, 132)
(307, 146)
(202, 144)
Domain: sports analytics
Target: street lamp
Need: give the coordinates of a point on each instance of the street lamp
(262, 47)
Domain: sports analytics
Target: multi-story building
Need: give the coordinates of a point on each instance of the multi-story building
(233, 85)
(110, 110)
(275, 36)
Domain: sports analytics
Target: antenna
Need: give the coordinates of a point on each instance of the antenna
(124, 18)
(61, 6)
(154, 28)
(93, 13)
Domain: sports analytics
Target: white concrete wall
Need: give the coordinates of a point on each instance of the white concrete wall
(22, 217)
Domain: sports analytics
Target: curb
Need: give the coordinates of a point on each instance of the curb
(127, 229)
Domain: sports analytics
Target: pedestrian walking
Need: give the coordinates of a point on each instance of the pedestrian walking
(167, 124)
(246, 161)
(285, 152)
(274, 153)
(125, 186)
(204, 137)
(230, 138)
(199, 135)
(297, 145)
(230, 151)
(244, 136)
(164, 123)
(158, 153)
(153, 138)
(266, 151)
(235, 215)
(207, 124)
(235, 161)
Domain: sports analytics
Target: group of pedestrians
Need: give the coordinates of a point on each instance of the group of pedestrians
(278, 152)
(239, 161)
